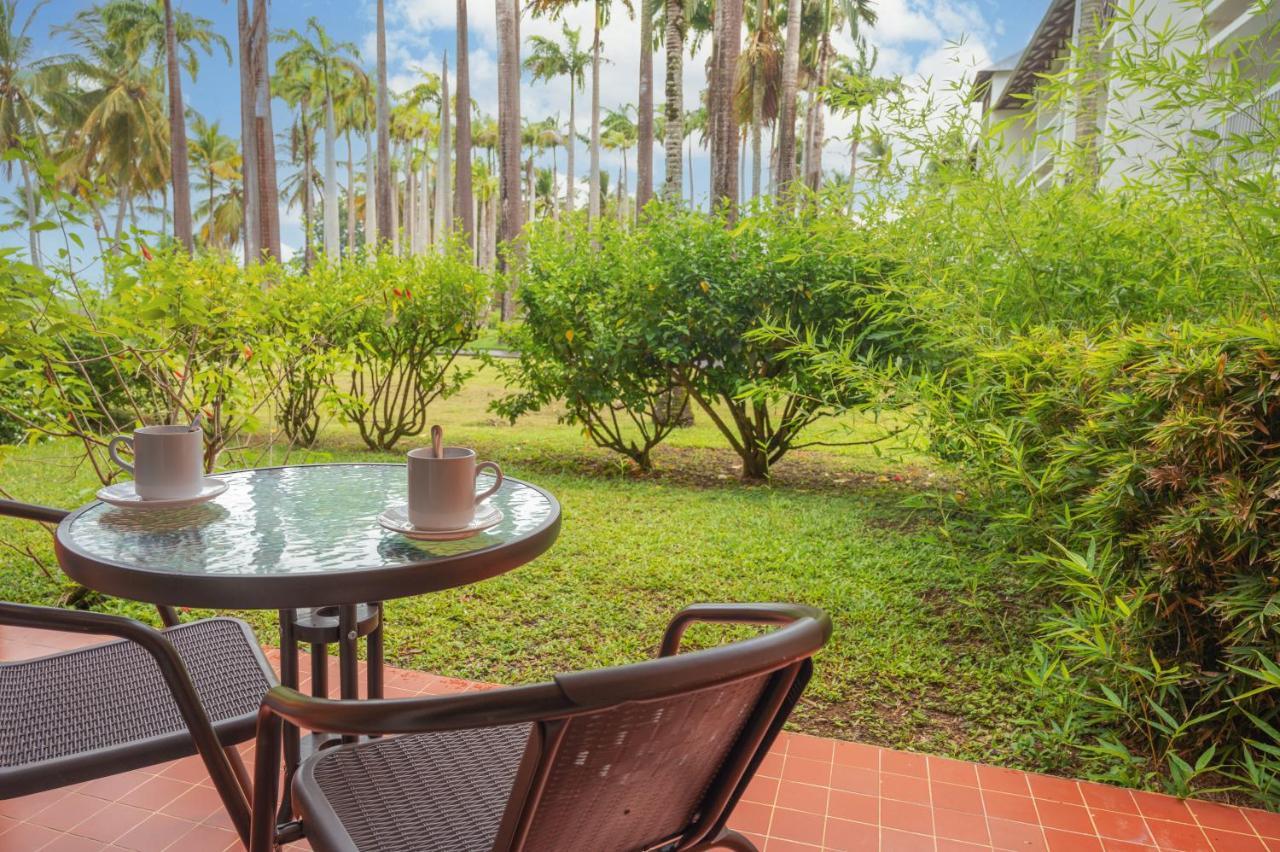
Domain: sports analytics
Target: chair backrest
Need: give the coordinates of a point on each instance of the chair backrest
(661, 750)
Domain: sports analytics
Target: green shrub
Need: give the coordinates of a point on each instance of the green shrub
(398, 324)
(1138, 475)
(706, 290)
(581, 343)
(165, 337)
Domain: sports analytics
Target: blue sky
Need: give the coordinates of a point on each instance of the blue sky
(914, 38)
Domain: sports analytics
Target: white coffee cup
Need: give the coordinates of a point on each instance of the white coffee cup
(168, 461)
(442, 491)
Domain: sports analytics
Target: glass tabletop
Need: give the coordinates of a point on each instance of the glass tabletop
(301, 520)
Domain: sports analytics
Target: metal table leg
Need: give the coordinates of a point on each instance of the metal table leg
(292, 736)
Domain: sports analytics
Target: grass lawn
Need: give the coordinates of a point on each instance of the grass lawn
(927, 649)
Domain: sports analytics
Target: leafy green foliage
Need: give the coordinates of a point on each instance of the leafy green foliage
(580, 341)
(401, 325)
(1138, 476)
(616, 319)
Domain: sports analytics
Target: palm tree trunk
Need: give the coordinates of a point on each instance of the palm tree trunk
(444, 206)
(33, 235)
(569, 180)
(690, 159)
(410, 207)
(248, 139)
(814, 125)
(528, 183)
(593, 182)
(384, 187)
(178, 163)
(644, 109)
(673, 40)
(351, 197)
(724, 153)
(463, 198)
(555, 181)
(370, 192)
(393, 183)
(425, 196)
(508, 24)
(268, 186)
(308, 250)
(787, 108)
(331, 248)
(757, 119)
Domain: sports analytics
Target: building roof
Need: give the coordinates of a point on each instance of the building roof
(1035, 59)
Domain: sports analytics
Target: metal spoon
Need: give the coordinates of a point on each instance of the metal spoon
(195, 421)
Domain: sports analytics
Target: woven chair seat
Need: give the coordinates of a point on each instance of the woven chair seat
(445, 792)
(106, 708)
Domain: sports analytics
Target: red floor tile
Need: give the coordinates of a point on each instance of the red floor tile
(1104, 797)
(904, 763)
(810, 798)
(957, 797)
(1065, 841)
(843, 834)
(906, 816)
(956, 825)
(1118, 826)
(796, 825)
(853, 806)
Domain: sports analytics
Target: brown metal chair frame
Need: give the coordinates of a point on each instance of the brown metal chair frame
(783, 654)
(222, 763)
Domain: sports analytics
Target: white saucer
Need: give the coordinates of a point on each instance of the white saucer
(122, 494)
(396, 519)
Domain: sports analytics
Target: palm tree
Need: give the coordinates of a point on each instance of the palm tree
(673, 112)
(548, 60)
(151, 27)
(421, 98)
(786, 131)
(546, 136)
(621, 135)
(759, 80)
(444, 166)
(463, 198)
(383, 190)
(294, 84)
(510, 224)
(352, 96)
(20, 109)
(114, 124)
(261, 191)
(600, 19)
(217, 163)
(324, 64)
(724, 125)
(644, 108)
(853, 13)
(694, 121)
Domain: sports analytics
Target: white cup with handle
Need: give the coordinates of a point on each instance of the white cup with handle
(442, 488)
(168, 461)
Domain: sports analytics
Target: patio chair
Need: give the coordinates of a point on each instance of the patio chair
(650, 756)
(149, 697)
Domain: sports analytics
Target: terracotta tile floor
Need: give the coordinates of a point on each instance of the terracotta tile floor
(810, 794)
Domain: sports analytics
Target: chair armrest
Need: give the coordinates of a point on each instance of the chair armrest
(736, 613)
(32, 512)
(172, 669)
(503, 706)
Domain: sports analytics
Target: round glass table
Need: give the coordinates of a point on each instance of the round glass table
(290, 537)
